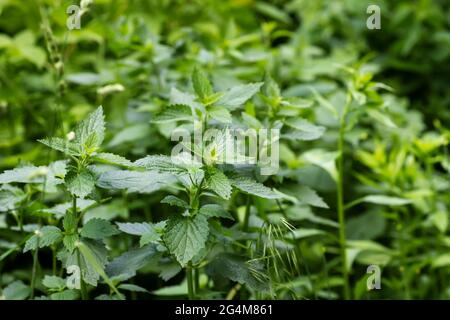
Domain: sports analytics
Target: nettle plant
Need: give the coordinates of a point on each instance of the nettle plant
(213, 183)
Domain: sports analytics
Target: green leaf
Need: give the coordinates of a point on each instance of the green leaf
(65, 146)
(220, 114)
(80, 183)
(27, 174)
(126, 265)
(177, 165)
(185, 237)
(135, 181)
(237, 96)
(201, 83)
(304, 130)
(132, 287)
(93, 258)
(150, 233)
(10, 197)
(173, 113)
(235, 268)
(250, 186)
(44, 237)
(175, 201)
(16, 290)
(218, 182)
(98, 229)
(310, 197)
(110, 158)
(70, 241)
(91, 131)
(69, 294)
(386, 200)
(54, 282)
(214, 210)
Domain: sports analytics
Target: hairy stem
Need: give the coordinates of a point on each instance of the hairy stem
(83, 290)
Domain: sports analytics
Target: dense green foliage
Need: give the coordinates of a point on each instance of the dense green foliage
(93, 206)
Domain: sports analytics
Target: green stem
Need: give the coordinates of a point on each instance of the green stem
(341, 209)
(196, 281)
(247, 214)
(83, 290)
(33, 272)
(190, 282)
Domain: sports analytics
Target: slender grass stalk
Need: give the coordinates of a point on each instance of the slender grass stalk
(340, 204)
(247, 214)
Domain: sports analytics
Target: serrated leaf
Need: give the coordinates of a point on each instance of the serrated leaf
(126, 265)
(65, 146)
(219, 183)
(175, 201)
(173, 113)
(70, 241)
(135, 181)
(113, 159)
(310, 197)
(10, 197)
(214, 210)
(91, 131)
(250, 186)
(186, 236)
(80, 183)
(220, 114)
(201, 83)
(150, 233)
(27, 174)
(44, 237)
(304, 130)
(98, 229)
(237, 96)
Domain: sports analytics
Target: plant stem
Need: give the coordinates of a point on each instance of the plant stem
(341, 209)
(196, 281)
(190, 282)
(83, 290)
(247, 214)
(33, 272)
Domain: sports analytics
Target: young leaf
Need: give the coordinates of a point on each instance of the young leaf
(173, 113)
(186, 236)
(54, 282)
(80, 183)
(201, 83)
(98, 229)
(237, 96)
(91, 131)
(43, 238)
